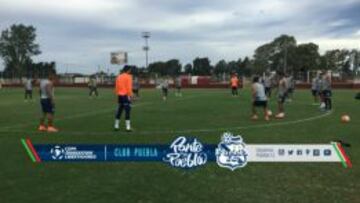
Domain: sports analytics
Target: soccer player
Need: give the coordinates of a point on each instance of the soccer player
(234, 82)
(93, 87)
(136, 87)
(290, 82)
(124, 91)
(28, 89)
(282, 95)
(178, 87)
(268, 84)
(47, 104)
(315, 88)
(165, 88)
(321, 90)
(327, 93)
(259, 98)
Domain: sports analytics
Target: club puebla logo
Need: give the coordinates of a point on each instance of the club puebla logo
(57, 153)
(231, 152)
(186, 153)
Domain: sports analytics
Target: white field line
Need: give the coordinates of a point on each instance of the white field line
(223, 129)
(86, 114)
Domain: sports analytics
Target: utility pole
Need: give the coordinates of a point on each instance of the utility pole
(146, 48)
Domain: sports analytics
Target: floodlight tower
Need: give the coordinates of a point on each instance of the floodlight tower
(146, 48)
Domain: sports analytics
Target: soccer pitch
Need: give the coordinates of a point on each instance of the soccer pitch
(200, 113)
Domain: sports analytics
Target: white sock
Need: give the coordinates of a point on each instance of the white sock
(128, 127)
(117, 123)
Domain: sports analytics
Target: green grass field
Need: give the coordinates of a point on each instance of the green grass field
(205, 114)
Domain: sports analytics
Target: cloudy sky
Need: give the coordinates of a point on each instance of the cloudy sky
(80, 34)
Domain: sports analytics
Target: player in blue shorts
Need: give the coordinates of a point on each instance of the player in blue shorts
(47, 104)
(259, 98)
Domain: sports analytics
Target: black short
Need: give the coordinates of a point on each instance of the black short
(315, 93)
(282, 98)
(290, 90)
(260, 104)
(165, 91)
(124, 100)
(47, 106)
(326, 93)
(267, 90)
(28, 91)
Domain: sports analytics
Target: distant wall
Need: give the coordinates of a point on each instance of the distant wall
(338, 85)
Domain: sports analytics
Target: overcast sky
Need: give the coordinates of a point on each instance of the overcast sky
(80, 34)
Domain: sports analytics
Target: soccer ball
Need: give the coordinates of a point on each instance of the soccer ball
(269, 113)
(345, 118)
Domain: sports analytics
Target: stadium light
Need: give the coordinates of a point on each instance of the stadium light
(146, 48)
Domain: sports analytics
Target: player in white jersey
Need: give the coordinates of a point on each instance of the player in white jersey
(315, 88)
(178, 86)
(136, 87)
(165, 88)
(268, 84)
(28, 89)
(259, 98)
(290, 83)
(326, 91)
(47, 105)
(282, 95)
(93, 87)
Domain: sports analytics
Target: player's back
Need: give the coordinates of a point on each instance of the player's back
(28, 84)
(165, 84)
(178, 82)
(326, 83)
(44, 93)
(282, 86)
(259, 92)
(136, 83)
(124, 84)
(267, 81)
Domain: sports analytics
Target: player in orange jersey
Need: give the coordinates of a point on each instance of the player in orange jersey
(124, 91)
(234, 82)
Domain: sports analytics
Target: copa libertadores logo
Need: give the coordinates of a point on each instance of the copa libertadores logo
(186, 153)
(231, 152)
(57, 153)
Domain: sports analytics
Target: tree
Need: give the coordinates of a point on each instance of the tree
(173, 67)
(202, 66)
(221, 67)
(277, 55)
(262, 58)
(307, 57)
(284, 53)
(355, 61)
(168, 68)
(234, 67)
(158, 68)
(246, 66)
(188, 68)
(41, 69)
(17, 46)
